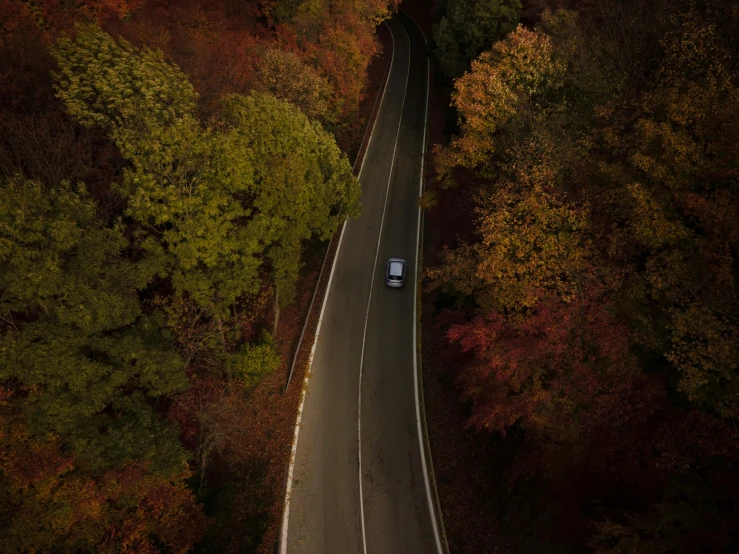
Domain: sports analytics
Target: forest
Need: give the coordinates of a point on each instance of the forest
(585, 296)
(164, 165)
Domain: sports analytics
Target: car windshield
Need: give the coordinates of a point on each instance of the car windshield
(396, 270)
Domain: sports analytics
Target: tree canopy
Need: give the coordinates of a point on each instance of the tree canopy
(121, 296)
(470, 27)
(211, 202)
(599, 286)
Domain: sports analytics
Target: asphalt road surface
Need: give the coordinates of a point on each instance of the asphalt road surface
(358, 484)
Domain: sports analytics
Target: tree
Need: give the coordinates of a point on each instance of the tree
(685, 217)
(695, 515)
(210, 202)
(533, 240)
(24, 59)
(338, 39)
(285, 76)
(560, 372)
(600, 318)
(51, 502)
(503, 81)
(74, 335)
(257, 359)
(305, 184)
(469, 27)
(112, 314)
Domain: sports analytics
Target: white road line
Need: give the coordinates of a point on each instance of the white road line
(370, 128)
(372, 283)
(303, 392)
(294, 449)
(379, 98)
(415, 314)
(382, 101)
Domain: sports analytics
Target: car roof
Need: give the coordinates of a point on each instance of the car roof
(396, 267)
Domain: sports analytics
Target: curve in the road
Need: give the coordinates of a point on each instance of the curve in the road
(296, 432)
(369, 303)
(432, 499)
(381, 511)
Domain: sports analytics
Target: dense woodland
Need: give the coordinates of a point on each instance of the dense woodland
(591, 305)
(163, 165)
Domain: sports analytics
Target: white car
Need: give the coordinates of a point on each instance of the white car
(395, 273)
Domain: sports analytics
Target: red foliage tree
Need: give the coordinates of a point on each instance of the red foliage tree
(51, 503)
(560, 372)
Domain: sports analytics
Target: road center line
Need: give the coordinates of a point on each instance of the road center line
(294, 448)
(370, 129)
(372, 283)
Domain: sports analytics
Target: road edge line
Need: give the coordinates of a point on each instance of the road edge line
(379, 99)
(423, 440)
(304, 389)
(370, 125)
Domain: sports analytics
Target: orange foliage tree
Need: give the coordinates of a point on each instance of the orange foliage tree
(602, 316)
(52, 502)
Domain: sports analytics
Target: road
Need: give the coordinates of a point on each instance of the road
(357, 484)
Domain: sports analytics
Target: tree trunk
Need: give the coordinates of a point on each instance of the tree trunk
(276, 306)
(229, 373)
(203, 467)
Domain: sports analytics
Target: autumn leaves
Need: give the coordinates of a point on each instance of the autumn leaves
(91, 342)
(603, 269)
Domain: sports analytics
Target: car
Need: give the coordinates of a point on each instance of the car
(395, 273)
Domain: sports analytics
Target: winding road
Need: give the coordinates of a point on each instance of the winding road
(358, 481)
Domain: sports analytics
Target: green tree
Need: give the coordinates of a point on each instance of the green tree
(305, 183)
(285, 76)
(211, 203)
(256, 360)
(469, 27)
(184, 183)
(74, 335)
